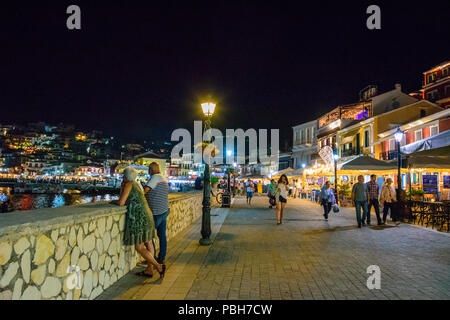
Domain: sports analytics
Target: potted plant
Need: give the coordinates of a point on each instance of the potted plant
(344, 192)
(214, 181)
(416, 194)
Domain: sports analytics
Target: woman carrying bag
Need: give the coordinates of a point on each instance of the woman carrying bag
(327, 199)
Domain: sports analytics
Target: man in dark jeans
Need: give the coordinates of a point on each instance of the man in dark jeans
(157, 195)
(373, 190)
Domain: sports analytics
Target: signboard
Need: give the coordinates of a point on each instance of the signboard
(430, 184)
(446, 182)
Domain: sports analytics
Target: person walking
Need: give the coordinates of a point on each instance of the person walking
(139, 225)
(327, 199)
(282, 190)
(250, 188)
(157, 195)
(359, 198)
(373, 190)
(271, 193)
(388, 198)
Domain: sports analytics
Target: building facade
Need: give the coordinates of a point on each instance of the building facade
(358, 142)
(436, 84)
(304, 147)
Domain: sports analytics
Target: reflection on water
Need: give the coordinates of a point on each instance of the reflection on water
(38, 201)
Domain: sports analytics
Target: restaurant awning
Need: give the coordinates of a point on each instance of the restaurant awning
(437, 141)
(296, 173)
(437, 158)
(281, 172)
(367, 163)
(253, 176)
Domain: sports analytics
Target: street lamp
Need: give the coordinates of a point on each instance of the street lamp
(335, 157)
(208, 110)
(398, 138)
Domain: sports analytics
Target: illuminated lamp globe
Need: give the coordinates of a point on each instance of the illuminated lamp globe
(208, 108)
(398, 135)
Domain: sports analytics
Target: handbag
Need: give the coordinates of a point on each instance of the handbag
(335, 208)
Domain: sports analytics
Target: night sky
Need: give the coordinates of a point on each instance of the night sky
(140, 69)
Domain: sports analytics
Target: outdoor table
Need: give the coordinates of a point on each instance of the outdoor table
(434, 213)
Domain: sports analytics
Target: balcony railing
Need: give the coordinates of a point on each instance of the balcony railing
(349, 152)
(388, 155)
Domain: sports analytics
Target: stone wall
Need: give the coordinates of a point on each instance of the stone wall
(74, 252)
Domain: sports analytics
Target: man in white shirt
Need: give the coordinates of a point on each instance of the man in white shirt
(157, 195)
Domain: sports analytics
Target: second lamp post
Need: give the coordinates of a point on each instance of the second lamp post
(208, 110)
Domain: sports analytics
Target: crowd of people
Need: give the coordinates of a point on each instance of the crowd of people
(364, 196)
(148, 208)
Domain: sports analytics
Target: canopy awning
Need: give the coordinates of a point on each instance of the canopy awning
(438, 158)
(437, 141)
(367, 163)
(281, 172)
(296, 173)
(253, 176)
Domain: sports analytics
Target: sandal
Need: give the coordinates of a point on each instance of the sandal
(163, 271)
(142, 273)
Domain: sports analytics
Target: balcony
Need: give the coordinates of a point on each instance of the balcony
(388, 155)
(349, 152)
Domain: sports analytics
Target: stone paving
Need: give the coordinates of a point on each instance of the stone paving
(304, 258)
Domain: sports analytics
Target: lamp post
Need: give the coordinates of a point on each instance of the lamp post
(335, 157)
(208, 110)
(398, 138)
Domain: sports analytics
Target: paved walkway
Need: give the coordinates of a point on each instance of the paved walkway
(304, 258)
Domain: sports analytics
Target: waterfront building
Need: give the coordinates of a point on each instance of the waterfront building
(362, 137)
(348, 115)
(304, 148)
(436, 84)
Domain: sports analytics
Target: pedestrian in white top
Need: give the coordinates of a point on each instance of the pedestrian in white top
(282, 190)
(157, 195)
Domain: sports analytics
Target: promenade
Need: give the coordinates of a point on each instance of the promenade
(304, 258)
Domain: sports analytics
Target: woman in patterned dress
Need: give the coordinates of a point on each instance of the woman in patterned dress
(139, 225)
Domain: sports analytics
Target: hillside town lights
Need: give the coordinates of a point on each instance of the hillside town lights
(398, 138)
(208, 110)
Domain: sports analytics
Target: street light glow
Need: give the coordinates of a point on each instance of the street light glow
(398, 135)
(208, 108)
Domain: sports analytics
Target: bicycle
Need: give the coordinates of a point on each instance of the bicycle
(218, 196)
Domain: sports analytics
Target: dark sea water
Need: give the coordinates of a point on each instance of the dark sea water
(21, 202)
